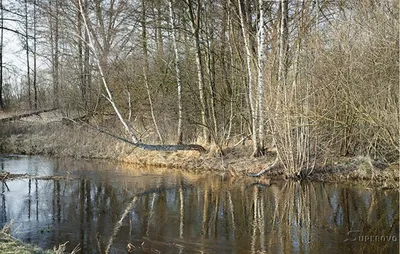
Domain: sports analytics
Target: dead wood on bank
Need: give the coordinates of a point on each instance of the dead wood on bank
(148, 147)
(17, 117)
(269, 167)
(144, 146)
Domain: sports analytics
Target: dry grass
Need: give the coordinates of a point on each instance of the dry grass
(362, 169)
(61, 140)
(9, 244)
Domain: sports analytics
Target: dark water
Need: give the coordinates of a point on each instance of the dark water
(108, 208)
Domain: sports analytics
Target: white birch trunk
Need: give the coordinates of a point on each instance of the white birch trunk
(194, 24)
(282, 45)
(108, 92)
(177, 72)
(250, 79)
(260, 87)
(135, 141)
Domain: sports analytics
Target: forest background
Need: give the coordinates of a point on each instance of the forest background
(310, 79)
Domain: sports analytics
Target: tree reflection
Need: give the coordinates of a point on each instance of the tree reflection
(185, 213)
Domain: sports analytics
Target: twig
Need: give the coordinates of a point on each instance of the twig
(240, 141)
(266, 169)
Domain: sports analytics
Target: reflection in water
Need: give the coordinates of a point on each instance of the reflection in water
(109, 209)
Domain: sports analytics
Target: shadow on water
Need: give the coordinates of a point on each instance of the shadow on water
(107, 208)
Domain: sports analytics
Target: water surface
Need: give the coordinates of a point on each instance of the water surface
(102, 207)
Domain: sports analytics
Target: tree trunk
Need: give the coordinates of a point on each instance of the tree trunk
(213, 91)
(194, 24)
(283, 45)
(2, 106)
(80, 59)
(35, 88)
(86, 61)
(210, 67)
(55, 52)
(177, 73)
(250, 80)
(135, 141)
(28, 69)
(17, 117)
(160, 42)
(146, 68)
(260, 69)
(227, 66)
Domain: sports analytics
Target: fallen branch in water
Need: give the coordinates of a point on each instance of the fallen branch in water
(7, 176)
(269, 167)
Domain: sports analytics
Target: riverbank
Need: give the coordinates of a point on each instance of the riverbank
(9, 244)
(59, 139)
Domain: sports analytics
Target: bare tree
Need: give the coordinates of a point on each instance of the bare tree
(249, 56)
(177, 72)
(248, 65)
(55, 50)
(108, 95)
(194, 15)
(260, 88)
(35, 86)
(146, 68)
(2, 106)
(28, 68)
(208, 35)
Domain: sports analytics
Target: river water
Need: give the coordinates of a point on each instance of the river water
(106, 208)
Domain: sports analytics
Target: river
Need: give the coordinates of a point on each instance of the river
(103, 207)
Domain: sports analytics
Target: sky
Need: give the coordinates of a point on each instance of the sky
(14, 53)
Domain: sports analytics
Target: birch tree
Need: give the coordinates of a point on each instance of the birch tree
(134, 140)
(28, 68)
(249, 56)
(260, 81)
(35, 85)
(209, 39)
(194, 16)
(55, 49)
(2, 106)
(177, 72)
(146, 68)
(79, 28)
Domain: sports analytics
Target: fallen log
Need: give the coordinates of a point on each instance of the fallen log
(148, 147)
(144, 146)
(17, 117)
